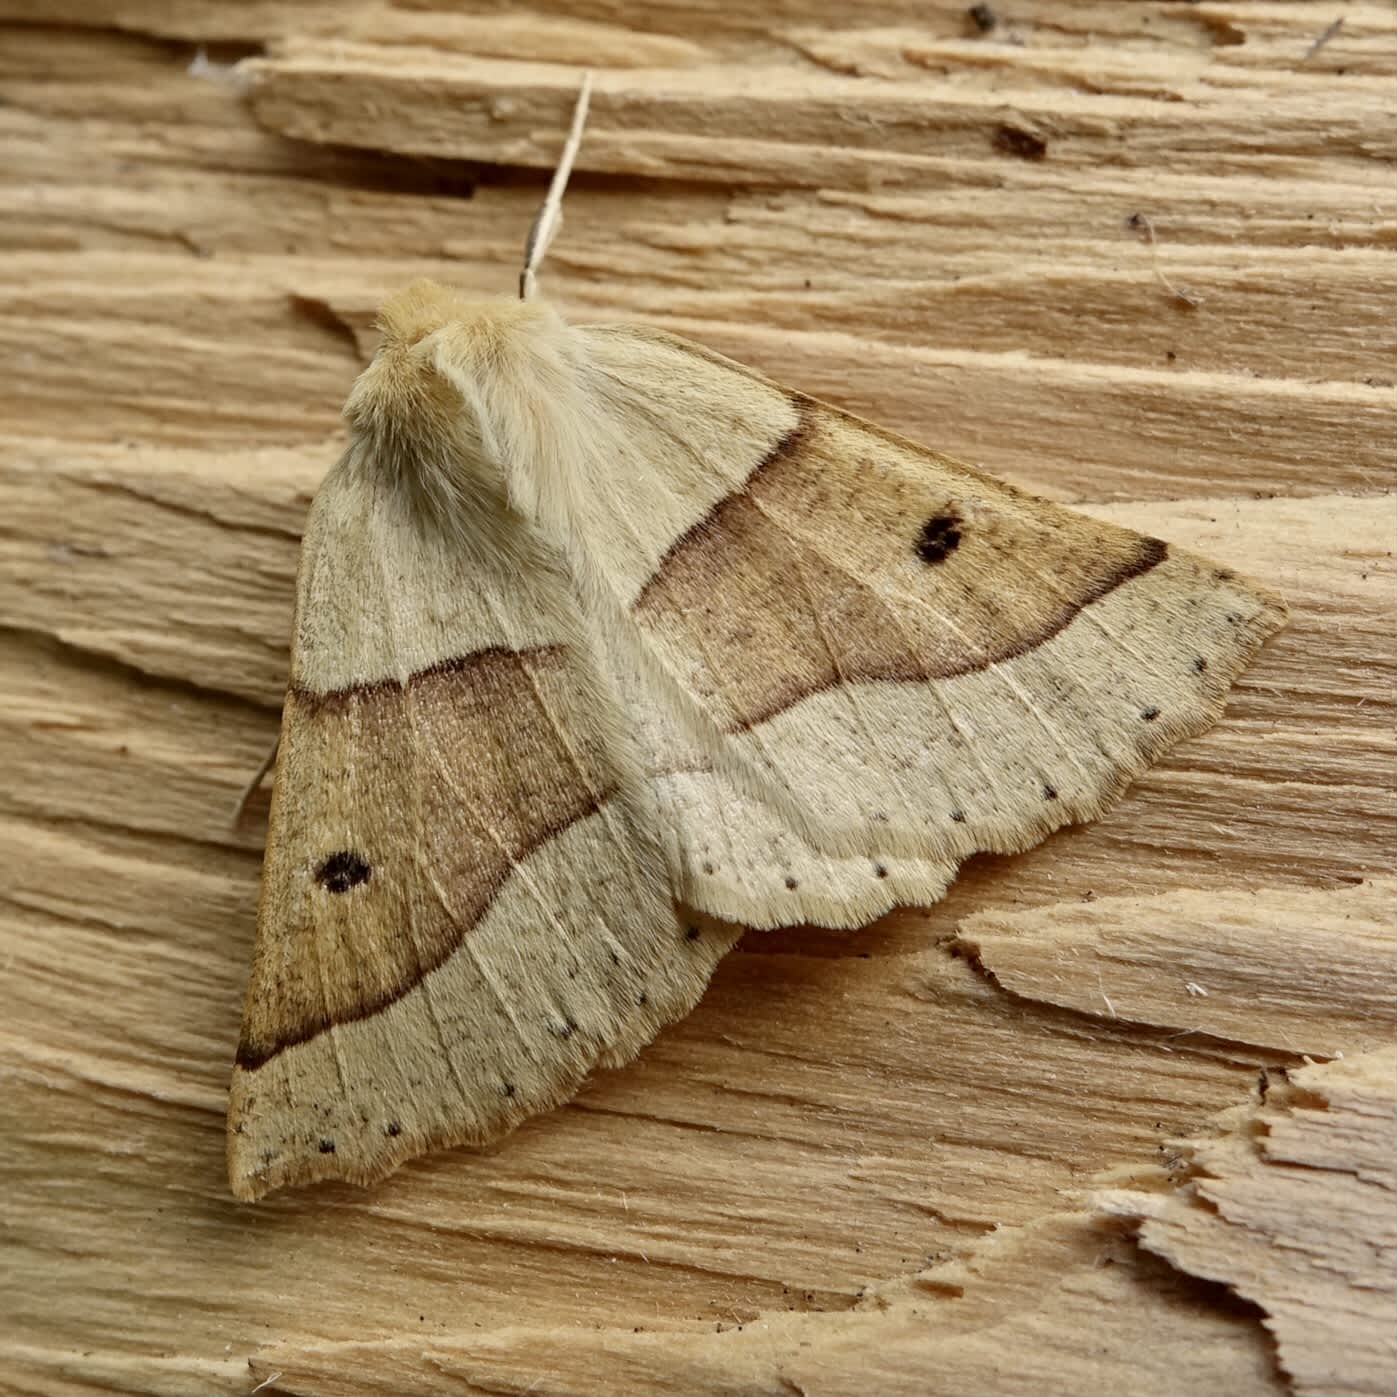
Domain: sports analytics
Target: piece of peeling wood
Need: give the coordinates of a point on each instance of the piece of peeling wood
(1164, 64)
(1025, 269)
(86, 173)
(101, 1370)
(1311, 970)
(899, 35)
(1067, 1304)
(818, 128)
(132, 556)
(1291, 1204)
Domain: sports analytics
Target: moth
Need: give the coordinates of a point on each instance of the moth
(607, 647)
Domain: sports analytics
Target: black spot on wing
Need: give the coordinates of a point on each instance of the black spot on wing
(939, 538)
(339, 872)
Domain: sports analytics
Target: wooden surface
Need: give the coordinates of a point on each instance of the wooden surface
(1039, 1138)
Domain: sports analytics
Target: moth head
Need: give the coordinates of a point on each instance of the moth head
(464, 395)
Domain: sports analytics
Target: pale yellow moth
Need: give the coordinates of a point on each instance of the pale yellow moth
(607, 647)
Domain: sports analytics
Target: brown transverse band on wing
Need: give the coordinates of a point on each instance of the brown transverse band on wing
(717, 596)
(473, 810)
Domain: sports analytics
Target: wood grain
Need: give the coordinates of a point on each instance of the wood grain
(1290, 1201)
(1206, 962)
(866, 1159)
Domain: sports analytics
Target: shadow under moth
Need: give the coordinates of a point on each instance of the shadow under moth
(606, 648)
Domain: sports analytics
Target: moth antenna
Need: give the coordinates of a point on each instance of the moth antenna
(550, 216)
(258, 777)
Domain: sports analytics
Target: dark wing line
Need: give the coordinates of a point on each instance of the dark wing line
(335, 699)
(787, 446)
(1151, 553)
